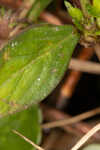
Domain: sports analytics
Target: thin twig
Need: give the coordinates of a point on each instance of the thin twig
(52, 114)
(72, 120)
(27, 140)
(86, 137)
(84, 66)
(27, 4)
(15, 30)
(50, 18)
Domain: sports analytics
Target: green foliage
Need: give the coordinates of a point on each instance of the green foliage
(27, 123)
(84, 4)
(87, 20)
(37, 7)
(32, 64)
(74, 12)
(93, 10)
(96, 6)
(76, 15)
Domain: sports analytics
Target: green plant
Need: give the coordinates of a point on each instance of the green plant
(21, 122)
(33, 63)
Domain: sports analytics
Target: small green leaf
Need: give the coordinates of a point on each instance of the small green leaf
(74, 12)
(32, 64)
(76, 15)
(37, 7)
(27, 123)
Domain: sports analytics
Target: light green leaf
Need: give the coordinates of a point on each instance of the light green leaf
(75, 13)
(94, 10)
(32, 64)
(96, 5)
(27, 123)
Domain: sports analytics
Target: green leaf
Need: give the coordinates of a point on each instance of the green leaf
(76, 15)
(96, 5)
(32, 64)
(37, 7)
(94, 10)
(27, 123)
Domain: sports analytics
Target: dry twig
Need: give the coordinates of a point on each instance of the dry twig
(86, 137)
(84, 66)
(27, 140)
(72, 120)
(48, 17)
(51, 114)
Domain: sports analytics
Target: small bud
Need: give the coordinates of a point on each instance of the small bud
(75, 13)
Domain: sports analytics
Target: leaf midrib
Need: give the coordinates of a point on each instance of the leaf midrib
(33, 61)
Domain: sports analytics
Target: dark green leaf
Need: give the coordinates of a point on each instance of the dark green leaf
(33, 63)
(27, 123)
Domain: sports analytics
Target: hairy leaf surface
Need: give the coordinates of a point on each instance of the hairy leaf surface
(32, 64)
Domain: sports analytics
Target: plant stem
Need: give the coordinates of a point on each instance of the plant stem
(84, 66)
(52, 114)
(27, 140)
(72, 120)
(86, 137)
(83, 6)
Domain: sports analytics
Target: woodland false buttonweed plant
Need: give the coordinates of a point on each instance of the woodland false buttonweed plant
(32, 68)
(33, 63)
(86, 20)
